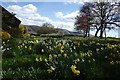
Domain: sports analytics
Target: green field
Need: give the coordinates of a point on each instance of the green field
(65, 58)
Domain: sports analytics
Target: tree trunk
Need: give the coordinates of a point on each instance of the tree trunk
(97, 32)
(85, 33)
(101, 29)
(101, 33)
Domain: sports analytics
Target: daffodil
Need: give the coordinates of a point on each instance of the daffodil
(40, 59)
(21, 46)
(62, 47)
(42, 50)
(59, 55)
(117, 51)
(73, 67)
(61, 51)
(65, 55)
(52, 68)
(37, 59)
(50, 59)
(18, 46)
(54, 55)
(49, 71)
(78, 44)
(78, 60)
(30, 47)
(77, 72)
(3, 42)
(46, 60)
(112, 62)
(59, 44)
(25, 46)
(50, 56)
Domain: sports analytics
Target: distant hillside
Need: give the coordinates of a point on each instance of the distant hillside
(33, 29)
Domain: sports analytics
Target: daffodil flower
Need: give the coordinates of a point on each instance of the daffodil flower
(46, 60)
(40, 59)
(37, 59)
(42, 50)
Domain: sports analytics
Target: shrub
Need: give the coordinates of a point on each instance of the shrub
(46, 29)
(26, 35)
(23, 28)
(5, 35)
(52, 35)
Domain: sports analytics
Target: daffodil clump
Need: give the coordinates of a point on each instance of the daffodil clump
(51, 69)
(73, 68)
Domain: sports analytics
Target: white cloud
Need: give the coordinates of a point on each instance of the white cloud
(30, 8)
(29, 16)
(77, 1)
(59, 14)
(67, 17)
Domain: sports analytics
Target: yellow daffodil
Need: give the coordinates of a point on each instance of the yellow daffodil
(112, 62)
(3, 42)
(40, 59)
(65, 55)
(30, 47)
(61, 51)
(78, 60)
(52, 49)
(46, 44)
(42, 50)
(77, 72)
(54, 55)
(78, 44)
(18, 46)
(59, 44)
(62, 47)
(21, 46)
(50, 59)
(25, 46)
(102, 48)
(52, 68)
(73, 67)
(50, 56)
(59, 55)
(49, 71)
(46, 60)
(37, 59)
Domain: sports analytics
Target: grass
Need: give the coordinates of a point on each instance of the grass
(93, 57)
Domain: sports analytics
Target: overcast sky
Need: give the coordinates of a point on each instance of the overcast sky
(60, 14)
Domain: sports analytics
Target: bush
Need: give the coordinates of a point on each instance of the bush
(26, 35)
(46, 29)
(23, 28)
(5, 35)
(52, 35)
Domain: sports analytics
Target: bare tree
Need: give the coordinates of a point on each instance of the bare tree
(82, 20)
(103, 15)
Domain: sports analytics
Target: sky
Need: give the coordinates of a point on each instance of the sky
(59, 14)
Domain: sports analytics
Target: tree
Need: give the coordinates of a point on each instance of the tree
(82, 20)
(107, 14)
(23, 28)
(46, 28)
(103, 15)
